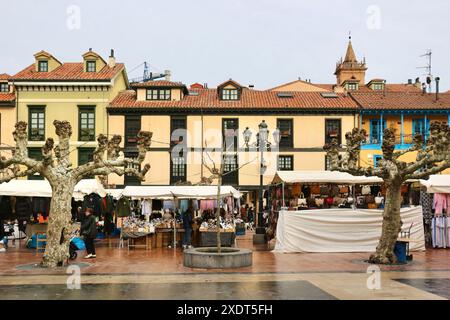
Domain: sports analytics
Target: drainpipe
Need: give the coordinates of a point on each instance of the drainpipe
(381, 127)
(403, 128)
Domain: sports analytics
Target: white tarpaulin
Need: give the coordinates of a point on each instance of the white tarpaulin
(115, 193)
(341, 230)
(437, 183)
(334, 177)
(187, 192)
(41, 188)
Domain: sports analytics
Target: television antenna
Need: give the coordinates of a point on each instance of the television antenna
(429, 78)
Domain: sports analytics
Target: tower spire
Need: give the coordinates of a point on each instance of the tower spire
(350, 54)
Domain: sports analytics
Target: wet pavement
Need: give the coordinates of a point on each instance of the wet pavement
(267, 290)
(160, 274)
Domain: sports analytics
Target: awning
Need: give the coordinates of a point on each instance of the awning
(115, 193)
(182, 192)
(334, 177)
(42, 188)
(438, 183)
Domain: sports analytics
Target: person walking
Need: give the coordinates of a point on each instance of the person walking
(188, 217)
(89, 233)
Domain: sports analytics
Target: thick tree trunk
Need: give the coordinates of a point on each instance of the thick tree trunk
(391, 225)
(57, 248)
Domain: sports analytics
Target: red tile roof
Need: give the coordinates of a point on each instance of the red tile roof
(4, 76)
(401, 100)
(250, 99)
(7, 97)
(69, 71)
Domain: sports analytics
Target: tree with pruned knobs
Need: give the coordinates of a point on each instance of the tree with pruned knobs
(433, 156)
(57, 169)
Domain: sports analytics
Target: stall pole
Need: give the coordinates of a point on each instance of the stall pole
(354, 196)
(282, 194)
(174, 223)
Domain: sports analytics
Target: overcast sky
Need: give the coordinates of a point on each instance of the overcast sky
(260, 42)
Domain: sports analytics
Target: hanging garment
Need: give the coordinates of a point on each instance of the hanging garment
(39, 205)
(439, 203)
(439, 229)
(5, 208)
(123, 207)
(156, 205)
(207, 204)
(23, 207)
(230, 204)
(426, 203)
(168, 204)
(184, 204)
(92, 201)
(146, 207)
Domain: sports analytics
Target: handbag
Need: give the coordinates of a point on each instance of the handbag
(330, 201)
(372, 206)
(335, 190)
(319, 202)
(365, 190)
(301, 201)
(345, 189)
(360, 200)
(370, 199)
(350, 200)
(315, 189)
(324, 191)
(379, 199)
(338, 201)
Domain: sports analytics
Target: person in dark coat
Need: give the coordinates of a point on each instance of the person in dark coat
(89, 232)
(188, 217)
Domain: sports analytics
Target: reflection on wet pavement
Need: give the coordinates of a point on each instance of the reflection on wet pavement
(265, 290)
(440, 287)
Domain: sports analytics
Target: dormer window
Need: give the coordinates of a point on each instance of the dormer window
(42, 66)
(4, 87)
(229, 94)
(91, 66)
(377, 86)
(352, 86)
(158, 94)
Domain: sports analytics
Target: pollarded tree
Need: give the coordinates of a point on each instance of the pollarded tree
(62, 176)
(433, 156)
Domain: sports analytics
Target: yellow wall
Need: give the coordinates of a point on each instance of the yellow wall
(7, 122)
(63, 105)
(309, 138)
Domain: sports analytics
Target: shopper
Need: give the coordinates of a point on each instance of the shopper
(188, 217)
(2, 236)
(89, 233)
(250, 214)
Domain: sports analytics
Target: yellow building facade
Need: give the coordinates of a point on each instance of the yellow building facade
(195, 122)
(78, 92)
(7, 115)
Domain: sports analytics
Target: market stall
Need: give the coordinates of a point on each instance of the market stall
(163, 206)
(28, 201)
(329, 211)
(436, 209)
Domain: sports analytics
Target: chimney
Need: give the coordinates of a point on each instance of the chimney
(417, 83)
(424, 88)
(168, 74)
(437, 87)
(409, 81)
(112, 59)
(205, 85)
(251, 86)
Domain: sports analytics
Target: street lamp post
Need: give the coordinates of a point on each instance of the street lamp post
(263, 135)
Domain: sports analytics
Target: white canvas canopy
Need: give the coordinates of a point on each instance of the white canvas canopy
(186, 192)
(334, 177)
(341, 230)
(438, 183)
(41, 188)
(115, 193)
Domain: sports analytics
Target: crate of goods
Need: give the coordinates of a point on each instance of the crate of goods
(240, 229)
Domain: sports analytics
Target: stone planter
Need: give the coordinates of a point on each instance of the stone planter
(209, 258)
